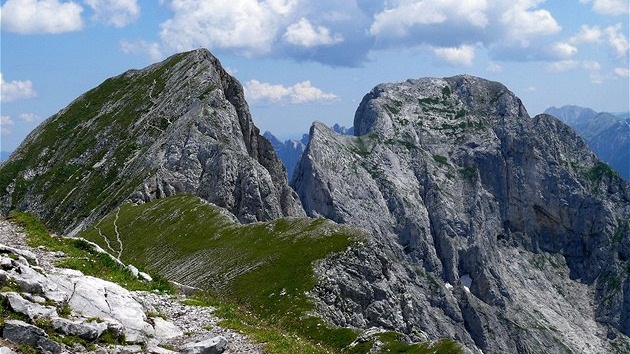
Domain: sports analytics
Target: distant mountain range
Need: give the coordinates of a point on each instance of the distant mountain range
(607, 134)
(290, 150)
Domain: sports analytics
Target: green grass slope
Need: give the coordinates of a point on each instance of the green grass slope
(193, 242)
(262, 271)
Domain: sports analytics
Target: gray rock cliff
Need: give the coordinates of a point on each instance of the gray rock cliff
(498, 229)
(179, 126)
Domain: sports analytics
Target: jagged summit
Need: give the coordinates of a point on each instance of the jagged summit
(178, 126)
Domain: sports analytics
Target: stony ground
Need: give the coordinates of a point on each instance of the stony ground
(195, 322)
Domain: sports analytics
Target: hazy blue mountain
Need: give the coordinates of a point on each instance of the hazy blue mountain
(343, 130)
(623, 115)
(607, 134)
(290, 150)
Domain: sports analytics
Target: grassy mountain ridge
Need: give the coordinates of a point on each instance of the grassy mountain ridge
(64, 156)
(180, 126)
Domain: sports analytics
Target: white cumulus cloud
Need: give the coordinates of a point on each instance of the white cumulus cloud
(608, 7)
(250, 26)
(301, 92)
(562, 65)
(621, 72)
(595, 71)
(117, 13)
(398, 18)
(523, 22)
(302, 33)
(15, 90)
(617, 40)
(141, 47)
(40, 16)
(510, 29)
(593, 68)
(29, 117)
(462, 55)
(587, 34)
(495, 68)
(4, 122)
(564, 50)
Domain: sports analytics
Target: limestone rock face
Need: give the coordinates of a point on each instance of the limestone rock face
(179, 126)
(501, 230)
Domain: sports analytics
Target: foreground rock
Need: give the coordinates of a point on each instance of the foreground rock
(99, 312)
(213, 345)
(498, 229)
(22, 333)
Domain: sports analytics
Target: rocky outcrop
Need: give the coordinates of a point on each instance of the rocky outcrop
(214, 345)
(606, 134)
(63, 303)
(20, 332)
(179, 126)
(498, 229)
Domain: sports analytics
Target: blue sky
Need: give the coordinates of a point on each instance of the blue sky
(303, 60)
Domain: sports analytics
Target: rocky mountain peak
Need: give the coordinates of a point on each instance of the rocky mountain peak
(380, 110)
(468, 199)
(179, 126)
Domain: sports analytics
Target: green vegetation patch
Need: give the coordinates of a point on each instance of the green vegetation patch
(428, 101)
(599, 171)
(407, 144)
(360, 148)
(622, 230)
(266, 265)
(442, 160)
(394, 107)
(393, 342)
(446, 92)
(469, 173)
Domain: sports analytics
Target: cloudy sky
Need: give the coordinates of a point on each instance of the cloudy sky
(306, 60)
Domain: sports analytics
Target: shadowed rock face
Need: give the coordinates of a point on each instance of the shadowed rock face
(179, 126)
(499, 229)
